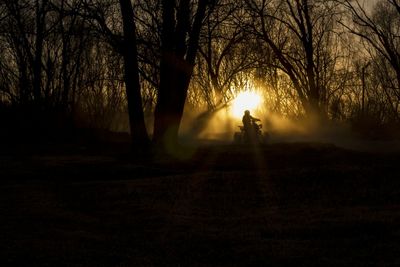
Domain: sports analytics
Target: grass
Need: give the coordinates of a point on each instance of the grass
(303, 204)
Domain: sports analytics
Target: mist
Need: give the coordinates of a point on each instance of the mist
(201, 126)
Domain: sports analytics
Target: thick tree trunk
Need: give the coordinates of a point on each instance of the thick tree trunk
(176, 68)
(175, 79)
(139, 136)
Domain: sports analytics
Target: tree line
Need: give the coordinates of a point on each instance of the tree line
(92, 59)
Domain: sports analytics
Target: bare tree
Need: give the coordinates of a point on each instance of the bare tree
(225, 52)
(103, 16)
(178, 44)
(380, 29)
(181, 26)
(129, 51)
(40, 31)
(301, 35)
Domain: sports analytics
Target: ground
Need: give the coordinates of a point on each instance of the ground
(297, 204)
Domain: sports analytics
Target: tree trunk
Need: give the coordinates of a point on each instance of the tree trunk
(174, 83)
(37, 64)
(139, 136)
(176, 68)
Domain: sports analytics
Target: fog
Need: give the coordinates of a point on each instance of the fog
(202, 126)
(218, 127)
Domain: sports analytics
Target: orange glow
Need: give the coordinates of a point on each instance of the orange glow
(247, 100)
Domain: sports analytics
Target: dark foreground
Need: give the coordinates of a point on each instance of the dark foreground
(283, 204)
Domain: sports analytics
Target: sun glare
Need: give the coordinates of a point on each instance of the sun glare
(245, 101)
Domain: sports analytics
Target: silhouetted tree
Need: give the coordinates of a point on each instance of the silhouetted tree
(92, 59)
(129, 51)
(225, 51)
(181, 26)
(301, 35)
(379, 29)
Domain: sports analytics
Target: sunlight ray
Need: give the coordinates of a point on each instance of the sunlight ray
(247, 100)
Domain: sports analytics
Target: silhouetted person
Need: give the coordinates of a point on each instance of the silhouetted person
(250, 125)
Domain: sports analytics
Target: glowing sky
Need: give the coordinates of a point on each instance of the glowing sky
(247, 100)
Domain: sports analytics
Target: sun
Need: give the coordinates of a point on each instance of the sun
(247, 100)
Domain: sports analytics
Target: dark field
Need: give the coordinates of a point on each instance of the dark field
(279, 205)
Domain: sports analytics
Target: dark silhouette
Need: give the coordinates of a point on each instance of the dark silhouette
(250, 124)
(139, 135)
(251, 130)
(119, 66)
(249, 121)
(179, 45)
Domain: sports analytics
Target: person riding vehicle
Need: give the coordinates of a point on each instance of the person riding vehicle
(251, 131)
(250, 125)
